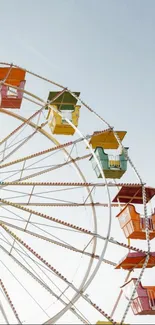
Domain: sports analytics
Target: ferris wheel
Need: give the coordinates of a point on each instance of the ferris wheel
(71, 203)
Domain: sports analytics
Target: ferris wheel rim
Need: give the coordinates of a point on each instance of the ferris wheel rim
(108, 194)
(81, 175)
(132, 165)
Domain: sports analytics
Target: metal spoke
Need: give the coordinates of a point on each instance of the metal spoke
(58, 243)
(10, 301)
(73, 309)
(57, 273)
(30, 118)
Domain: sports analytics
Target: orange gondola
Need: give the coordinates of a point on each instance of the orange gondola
(136, 260)
(11, 77)
(134, 225)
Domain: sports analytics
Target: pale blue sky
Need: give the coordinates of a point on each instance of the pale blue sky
(103, 48)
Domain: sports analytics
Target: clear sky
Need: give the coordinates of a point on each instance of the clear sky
(103, 48)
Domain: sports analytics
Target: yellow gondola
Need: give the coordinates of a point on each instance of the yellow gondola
(65, 104)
